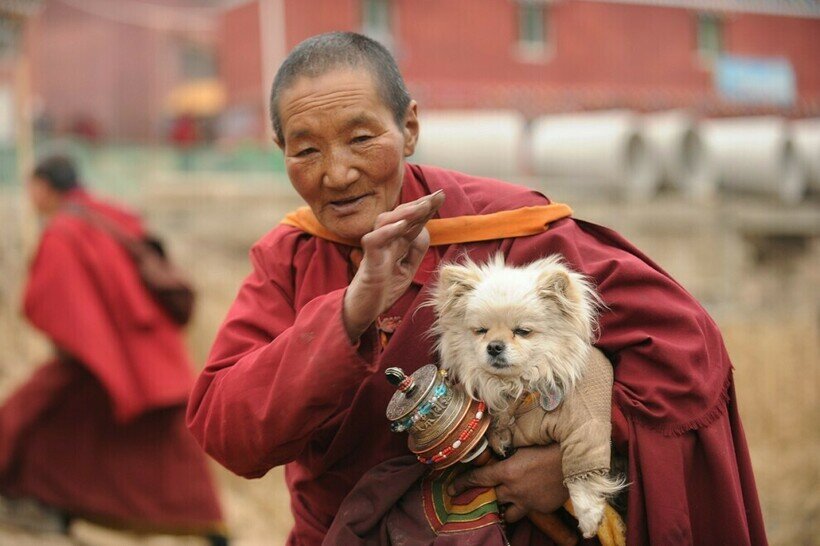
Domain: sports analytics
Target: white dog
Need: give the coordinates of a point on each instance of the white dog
(520, 339)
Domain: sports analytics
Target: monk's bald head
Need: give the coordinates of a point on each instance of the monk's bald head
(341, 50)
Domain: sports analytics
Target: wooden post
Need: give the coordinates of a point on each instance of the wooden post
(273, 44)
(24, 144)
(24, 147)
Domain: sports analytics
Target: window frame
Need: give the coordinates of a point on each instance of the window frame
(708, 54)
(384, 35)
(527, 50)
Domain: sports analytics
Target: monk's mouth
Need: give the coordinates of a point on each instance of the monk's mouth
(348, 204)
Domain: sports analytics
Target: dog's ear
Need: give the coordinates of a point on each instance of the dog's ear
(457, 280)
(571, 293)
(559, 285)
(555, 283)
(454, 281)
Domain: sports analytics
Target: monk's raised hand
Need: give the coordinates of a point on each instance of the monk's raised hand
(392, 253)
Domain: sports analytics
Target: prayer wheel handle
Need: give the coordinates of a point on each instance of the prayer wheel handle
(549, 524)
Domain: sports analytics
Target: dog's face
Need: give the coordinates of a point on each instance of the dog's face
(503, 330)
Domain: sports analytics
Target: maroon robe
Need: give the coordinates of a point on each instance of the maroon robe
(284, 385)
(99, 431)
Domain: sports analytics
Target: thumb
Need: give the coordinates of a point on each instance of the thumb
(513, 513)
(485, 476)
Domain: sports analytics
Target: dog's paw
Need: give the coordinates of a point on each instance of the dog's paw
(501, 441)
(589, 501)
(590, 519)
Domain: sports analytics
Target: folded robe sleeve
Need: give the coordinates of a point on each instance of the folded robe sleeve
(674, 408)
(275, 375)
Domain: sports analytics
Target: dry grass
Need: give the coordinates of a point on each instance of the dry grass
(776, 369)
(767, 308)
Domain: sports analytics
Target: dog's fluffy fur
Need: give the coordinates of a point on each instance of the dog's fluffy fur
(503, 331)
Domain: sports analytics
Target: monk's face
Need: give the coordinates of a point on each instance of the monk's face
(344, 151)
(43, 197)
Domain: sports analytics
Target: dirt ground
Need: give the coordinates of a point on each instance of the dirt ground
(754, 266)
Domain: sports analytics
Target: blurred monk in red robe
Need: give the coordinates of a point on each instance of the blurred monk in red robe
(296, 375)
(98, 432)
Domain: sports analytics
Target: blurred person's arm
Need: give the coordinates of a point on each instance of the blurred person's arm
(275, 376)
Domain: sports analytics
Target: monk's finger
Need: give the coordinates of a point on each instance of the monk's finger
(406, 211)
(401, 245)
(504, 495)
(420, 210)
(415, 254)
(485, 476)
(376, 243)
(513, 513)
(433, 204)
(414, 228)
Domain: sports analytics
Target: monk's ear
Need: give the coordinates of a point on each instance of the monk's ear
(278, 142)
(410, 128)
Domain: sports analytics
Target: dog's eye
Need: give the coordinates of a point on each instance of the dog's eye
(523, 332)
(480, 331)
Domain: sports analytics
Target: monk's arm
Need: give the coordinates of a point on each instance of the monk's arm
(274, 376)
(673, 408)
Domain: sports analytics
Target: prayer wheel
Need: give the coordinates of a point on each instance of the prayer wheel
(445, 426)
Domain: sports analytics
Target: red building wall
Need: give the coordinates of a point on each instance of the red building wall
(796, 39)
(595, 48)
(304, 19)
(463, 53)
(240, 54)
(454, 53)
(115, 74)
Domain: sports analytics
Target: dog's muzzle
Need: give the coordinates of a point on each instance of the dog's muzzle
(495, 348)
(495, 354)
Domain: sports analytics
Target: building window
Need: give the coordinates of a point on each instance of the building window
(534, 34)
(376, 21)
(710, 36)
(531, 24)
(197, 61)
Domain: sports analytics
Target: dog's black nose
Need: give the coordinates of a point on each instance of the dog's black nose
(495, 348)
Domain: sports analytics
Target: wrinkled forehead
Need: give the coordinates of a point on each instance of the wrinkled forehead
(337, 92)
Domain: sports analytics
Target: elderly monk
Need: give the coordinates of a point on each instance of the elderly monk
(296, 374)
(99, 431)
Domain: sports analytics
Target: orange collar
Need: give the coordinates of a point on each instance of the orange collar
(459, 229)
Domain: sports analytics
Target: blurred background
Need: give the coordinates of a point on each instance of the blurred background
(691, 126)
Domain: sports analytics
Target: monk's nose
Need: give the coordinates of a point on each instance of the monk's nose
(495, 348)
(339, 173)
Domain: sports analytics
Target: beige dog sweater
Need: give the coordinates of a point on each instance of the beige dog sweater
(581, 423)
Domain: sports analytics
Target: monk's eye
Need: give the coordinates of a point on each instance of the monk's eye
(360, 139)
(523, 332)
(480, 331)
(306, 152)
